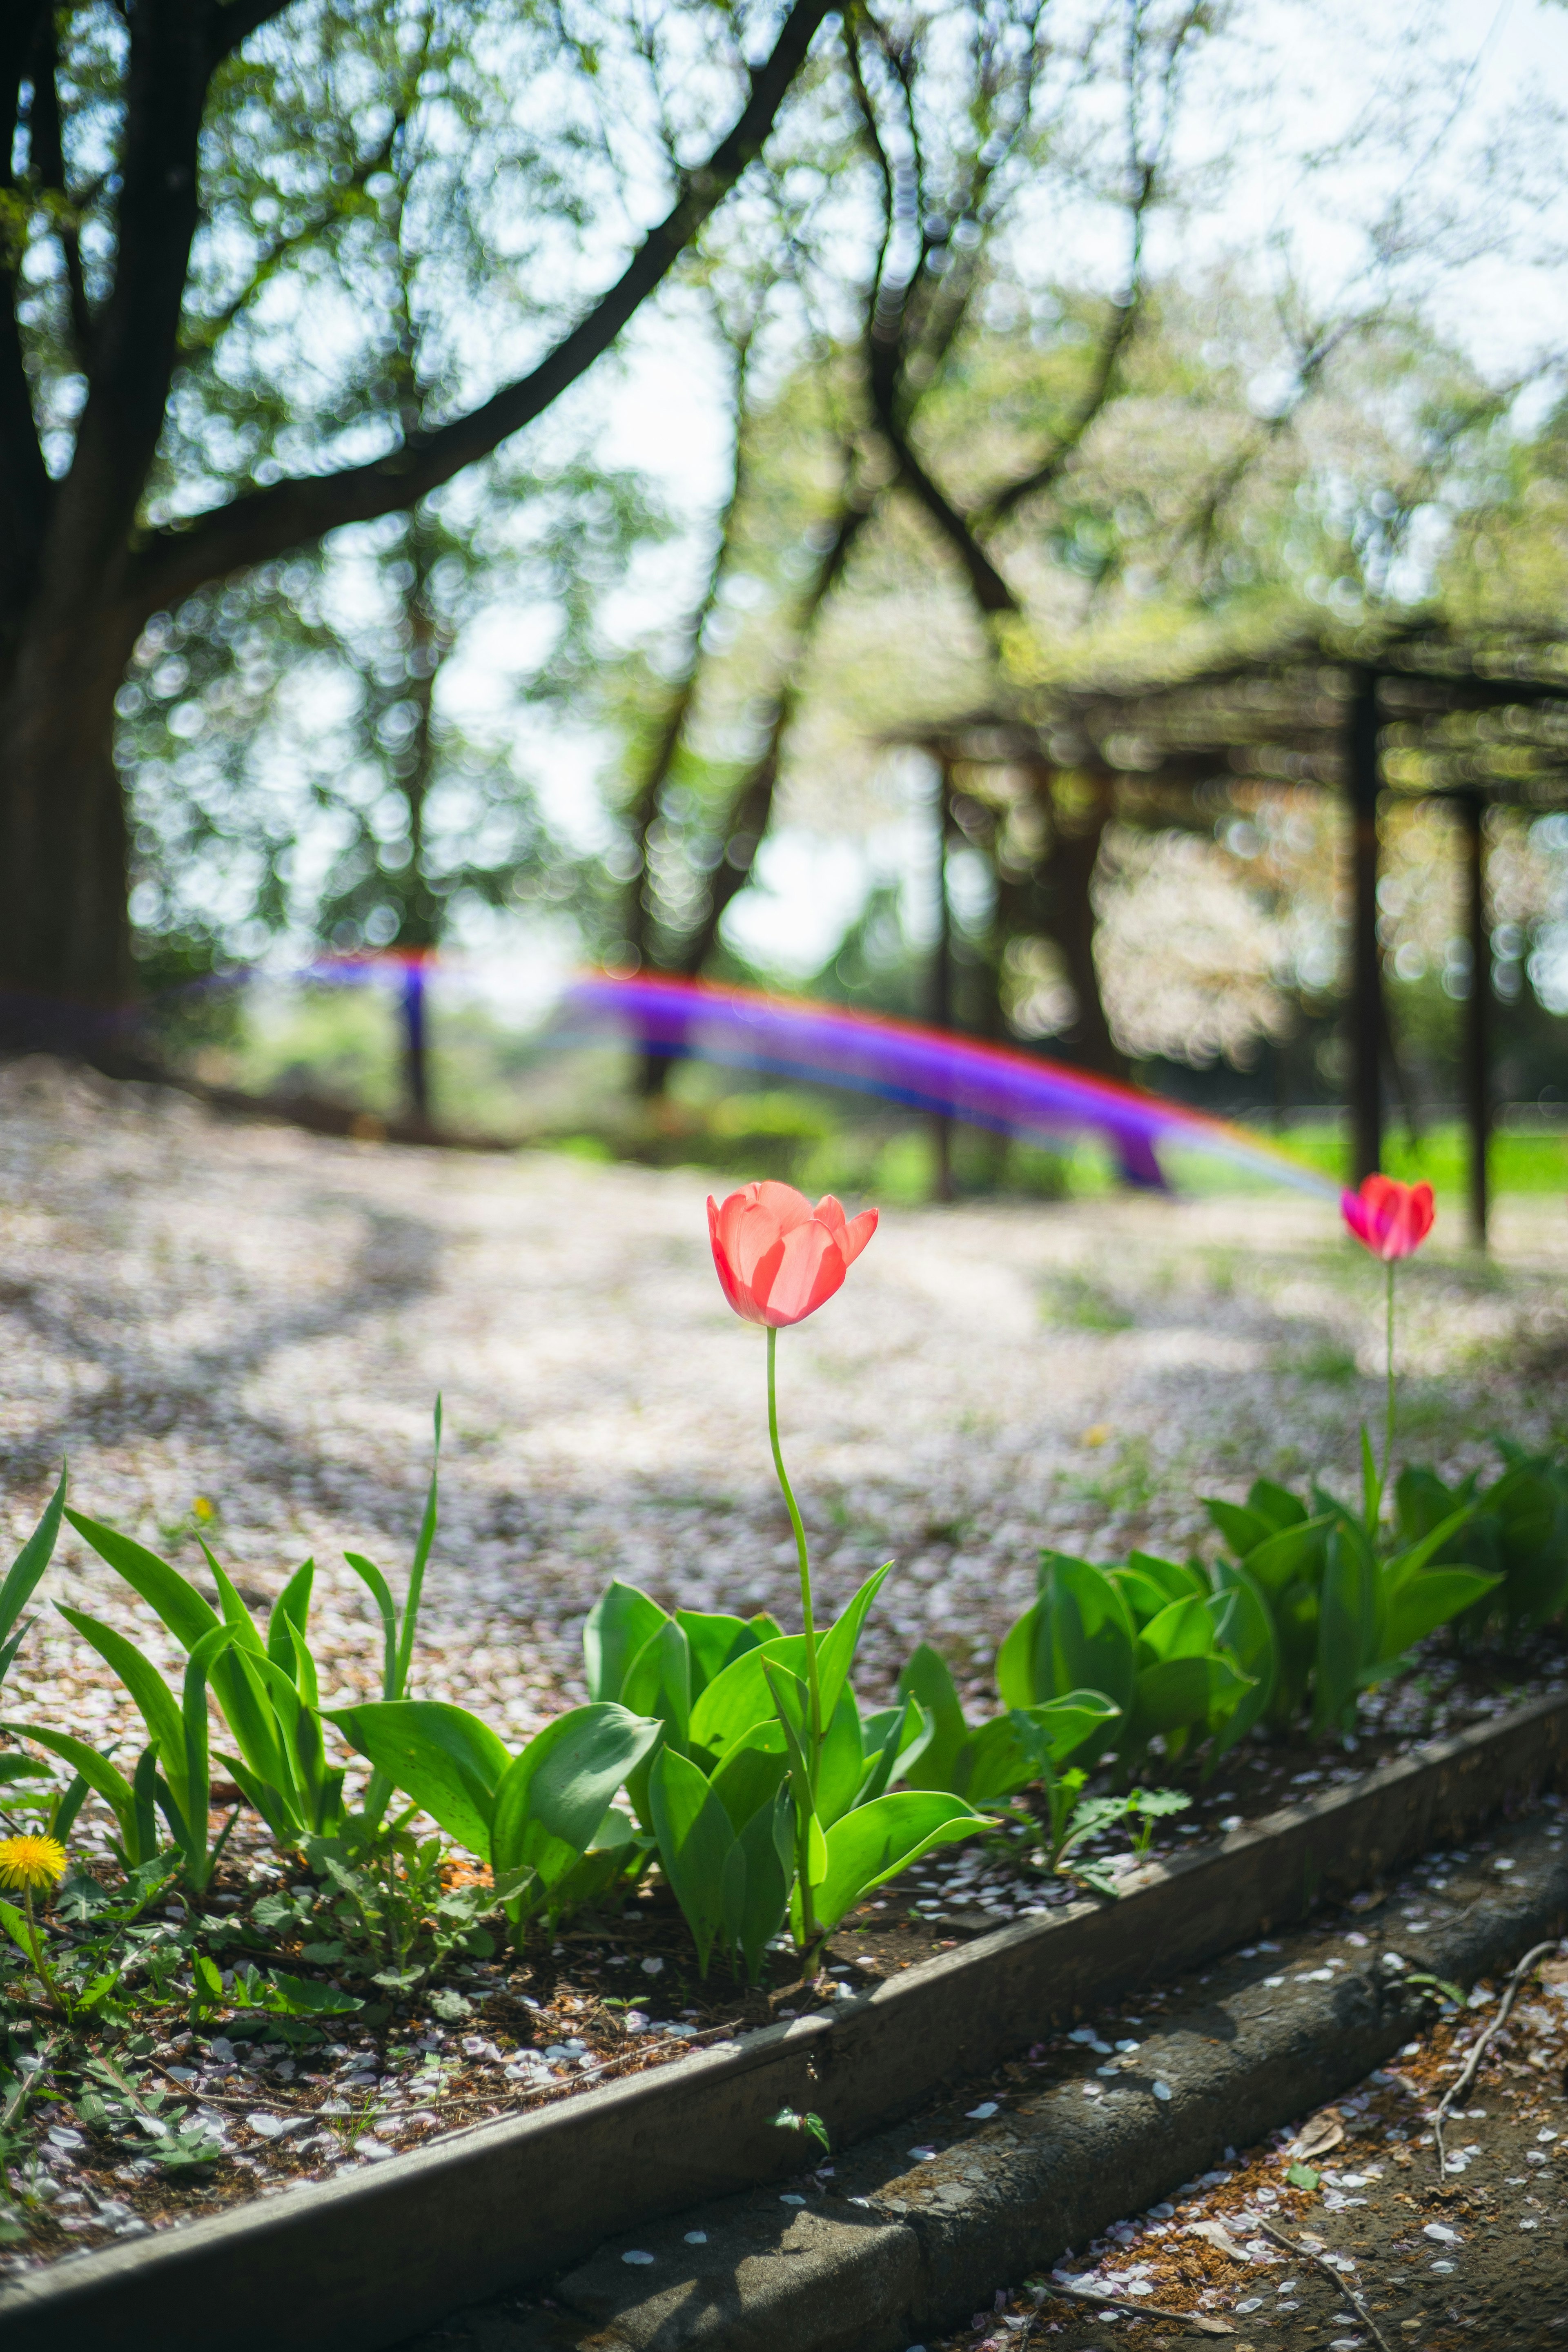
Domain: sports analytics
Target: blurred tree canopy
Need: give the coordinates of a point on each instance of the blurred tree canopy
(274, 267)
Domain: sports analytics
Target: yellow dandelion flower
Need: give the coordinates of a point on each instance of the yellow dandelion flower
(33, 1864)
(201, 1509)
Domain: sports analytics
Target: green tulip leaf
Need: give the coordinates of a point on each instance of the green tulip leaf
(619, 1625)
(446, 1760)
(876, 1842)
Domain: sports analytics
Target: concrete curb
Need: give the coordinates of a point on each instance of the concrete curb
(895, 2254)
(362, 2262)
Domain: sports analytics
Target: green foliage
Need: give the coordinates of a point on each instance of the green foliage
(1075, 1818)
(268, 1690)
(1344, 1614)
(23, 1576)
(536, 1818)
(874, 1843)
(730, 1695)
(1515, 1530)
(180, 1776)
(988, 1764)
(1149, 1636)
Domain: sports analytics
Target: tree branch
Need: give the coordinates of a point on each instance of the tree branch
(45, 157)
(264, 523)
(1048, 472)
(229, 26)
(990, 591)
(752, 808)
(643, 807)
(884, 337)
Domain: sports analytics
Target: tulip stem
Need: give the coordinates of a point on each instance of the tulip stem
(813, 1687)
(795, 1521)
(1388, 1425)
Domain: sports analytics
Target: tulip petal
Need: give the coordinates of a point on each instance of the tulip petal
(857, 1234)
(781, 1203)
(810, 1269)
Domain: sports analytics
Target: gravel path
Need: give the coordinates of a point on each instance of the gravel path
(261, 1317)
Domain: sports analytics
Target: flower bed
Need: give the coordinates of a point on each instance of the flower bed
(719, 1800)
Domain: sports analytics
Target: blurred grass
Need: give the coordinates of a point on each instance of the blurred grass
(1521, 1159)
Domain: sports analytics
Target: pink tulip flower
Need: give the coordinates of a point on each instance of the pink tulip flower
(1390, 1219)
(778, 1258)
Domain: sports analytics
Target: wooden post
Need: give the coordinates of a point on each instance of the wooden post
(942, 988)
(1478, 1020)
(1366, 1023)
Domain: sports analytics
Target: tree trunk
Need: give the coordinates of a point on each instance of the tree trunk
(65, 953)
(1067, 874)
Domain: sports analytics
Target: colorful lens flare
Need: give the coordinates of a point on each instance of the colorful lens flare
(965, 1079)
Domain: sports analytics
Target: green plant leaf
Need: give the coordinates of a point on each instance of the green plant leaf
(410, 1620)
(757, 1909)
(620, 1624)
(836, 1651)
(791, 1703)
(154, 1699)
(895, 1740)
(289, 1996)
(1244, 1626)
(1243, 1529)
(695, 1841)
(169, 1594)
(875, 1841)
(290, 1610)
(1431, 1600)
(1371, 1484)
(714, 1642)
(380, 1591)
(552, 1797)
(928, 1679)
(23, 1575)
(659, 1682)
(1146, 1599)
(1347, 1624)
(750, 1775)
(1289, 1553)
(234, 1613)
(1083, 1635)
(275, 1806)
(841, 1766)
(97, 1771)
(1276, 1504)
(1410, 1562)
(446, 1760)
(1184, 1628)
(1180, 1692)
(739, 1698)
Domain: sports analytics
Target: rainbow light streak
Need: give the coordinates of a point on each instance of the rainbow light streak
(927, 1069)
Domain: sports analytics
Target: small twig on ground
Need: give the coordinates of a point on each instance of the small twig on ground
(216, 2099)
(1352, 2295)
(1104, 2299)
(1451, 2097)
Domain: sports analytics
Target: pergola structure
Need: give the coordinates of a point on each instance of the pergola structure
(1412, 714)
